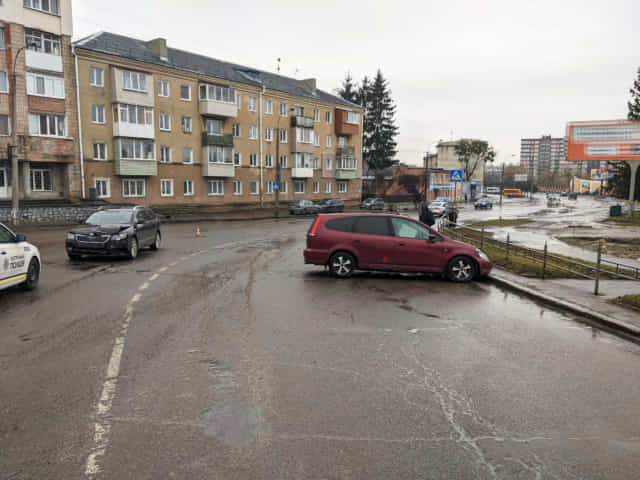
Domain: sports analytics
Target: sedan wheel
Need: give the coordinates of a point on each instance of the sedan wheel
(157, 242)
(133, 249)
(342, 264)
(461, 269)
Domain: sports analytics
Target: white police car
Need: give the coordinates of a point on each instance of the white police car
(19, 261)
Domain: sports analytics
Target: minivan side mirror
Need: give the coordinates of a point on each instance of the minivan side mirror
(432, 237)
(20, 238)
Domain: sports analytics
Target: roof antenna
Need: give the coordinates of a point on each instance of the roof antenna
(295, 74)
(278, 64)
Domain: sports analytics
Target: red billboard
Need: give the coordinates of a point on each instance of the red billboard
(603, 140)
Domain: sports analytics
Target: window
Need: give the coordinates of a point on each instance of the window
(298, 186)
(283, 109)
(218, 93)
(186, 125)
(353, 117)
(187, 187)
(302, 160)
(134, 81)
(214, 127)
(47, 124)
(96, 77)
(133, 187)
(284, 187)
(327, 117)
(345, 163)
(253, 188)
(316, 187)
(341, 224)
(269, 189)
(284, 135)
(304, 135)
(165, 154)
(103, 187)
(372, 225)
(42, 42)
(2, 42)
(187, 155)
(342, 142)
(315, 163)
(299, 111)
(237, 158)
(253, 160)
(342, 187)
(268, 134)
(137, 149)
(237, 187)
(283, 161)
(327, 187)
(328, 164)
(41, 180)
(316, 139)
(4, 125)
(407, 229)
(235, 129)
(134, 114)
(185, 92)
(164, 121)
(97, 113)
(316, 115)
(4, 82)
(215, 187)
(166, 187)
(163, 88)
(253, 132)
(268, 160)
(45, 85)
(48, 6)
(253, 104)
(268, 107)
(328, 141)
(99, 151)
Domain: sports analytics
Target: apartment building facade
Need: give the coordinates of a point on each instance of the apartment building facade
(35, 36)
(539, 155)
(162, 126)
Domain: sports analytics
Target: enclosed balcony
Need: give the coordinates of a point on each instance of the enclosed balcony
(134, 130)
(300, 121)
(217, 161)
(135, 157)
(345, 174)
(345, 168)
(302, 166)
(43, 61)
(345, 151)
(347, 122)
(216, 139)
(301, 172)
(218, 101)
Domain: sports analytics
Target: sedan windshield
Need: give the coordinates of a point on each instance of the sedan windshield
(110, 217)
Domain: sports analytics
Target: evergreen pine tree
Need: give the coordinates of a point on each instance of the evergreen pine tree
(379, 126)
(634, 104)
(364, 99)
(348, 90)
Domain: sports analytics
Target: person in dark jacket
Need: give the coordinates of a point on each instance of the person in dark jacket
(452, 213)
(425, 214)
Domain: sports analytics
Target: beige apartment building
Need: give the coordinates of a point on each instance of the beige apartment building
(35, 36)
(161, 126)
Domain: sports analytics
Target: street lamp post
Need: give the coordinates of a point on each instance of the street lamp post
(15, 177)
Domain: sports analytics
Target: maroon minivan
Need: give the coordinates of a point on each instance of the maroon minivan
(360, 241)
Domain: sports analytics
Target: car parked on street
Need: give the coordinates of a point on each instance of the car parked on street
(372, 204)
(438, 209)
(302, 207)
(113, 232)
(573, 196)
(20, 262)
(349, 242)
(331, 205)
(483, 203)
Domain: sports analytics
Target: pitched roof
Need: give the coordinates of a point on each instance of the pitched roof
(127, 47)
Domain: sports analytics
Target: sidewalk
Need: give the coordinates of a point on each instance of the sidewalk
(577, 297)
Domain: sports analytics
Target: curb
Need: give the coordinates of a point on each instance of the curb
(610, 324)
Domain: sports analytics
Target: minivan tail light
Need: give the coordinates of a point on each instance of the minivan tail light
(314, 227)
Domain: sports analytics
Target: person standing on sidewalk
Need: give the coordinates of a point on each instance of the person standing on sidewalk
(425, 215)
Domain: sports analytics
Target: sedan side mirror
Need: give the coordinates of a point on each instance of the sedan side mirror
(20, 238)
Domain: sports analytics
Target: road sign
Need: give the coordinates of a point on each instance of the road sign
(520, 177)
(455, 176)
(276, 186)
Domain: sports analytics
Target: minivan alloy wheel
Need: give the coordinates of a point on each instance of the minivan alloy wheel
(461, 269)
(342, 264)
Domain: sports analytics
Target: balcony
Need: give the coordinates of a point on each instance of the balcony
(217, 169)
(218, 109)
(214, 139)
(133, 130)
(345, 151)
(304, 122)
(135, 168)
(343, 127)
(301, 172)
(43, 61)
(50, 149)
(342, 174)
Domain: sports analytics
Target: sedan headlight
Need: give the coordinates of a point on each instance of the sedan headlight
(121, 236)
(71, 236)
(482, 255)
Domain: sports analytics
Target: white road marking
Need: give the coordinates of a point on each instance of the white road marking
(153, 277)
(173, 264)
(144, 286)
(163, 269)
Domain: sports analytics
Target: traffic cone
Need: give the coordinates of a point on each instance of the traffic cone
(197, 232)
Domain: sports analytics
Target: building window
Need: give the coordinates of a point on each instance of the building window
(304, 135)
(283, 161)
(165, 154)
(163, 88)
(353, 117)
(345, 163)
(284, 135)
(220, 154)
(315, 163)
(342, 187)
(103, 187)
(299, 111)
(4, 125)
(283, 187)
(187, 186)
(214, 127)
(215, 187)
(327, 187)
(48, 6)
(4, 82)
(328, 117)
(328, 164)
(47, 124)
(186, 125)
(42, 42)
(253, 104)
(235, 129)
(298, 186)
(134, 114)
(45, 85)
(237, 187)
(342, 142)
(96, 77)
(316, 115)
(268, 107)
(237, 158)
(269, 189)
(164, 121)
(268, 160)
(302, 160)
(316, 139)
(185, 93)
(253, 188)
(328, 141)
(97, 113)
(316, 187)
(99, 151)
(187, 155)
(2, 42)
(166, 187)
(133, 187)
(217, 93)
(268, 134)
(253, 132)
(137, 149)
(283, 109)
(134, 81)
(253, 160)
(41, 180)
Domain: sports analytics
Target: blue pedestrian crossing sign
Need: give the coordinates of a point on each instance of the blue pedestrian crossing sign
(455, 176)
(276, 186)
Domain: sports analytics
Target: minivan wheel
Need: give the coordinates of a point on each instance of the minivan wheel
(342, 264)
(461, 269)
(157, 241)
(133, 248)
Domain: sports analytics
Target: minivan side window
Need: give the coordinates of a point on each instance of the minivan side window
(408, 229)
(341, 224)
(373, 225)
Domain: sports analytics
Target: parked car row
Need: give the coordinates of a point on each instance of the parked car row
(306, 207)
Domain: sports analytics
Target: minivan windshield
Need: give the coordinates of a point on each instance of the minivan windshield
(110, 217)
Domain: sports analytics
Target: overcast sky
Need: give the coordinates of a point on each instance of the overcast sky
(498, 70)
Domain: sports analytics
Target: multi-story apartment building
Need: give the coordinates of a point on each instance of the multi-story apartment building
(164, 126)
(539, 155)
(35, 36)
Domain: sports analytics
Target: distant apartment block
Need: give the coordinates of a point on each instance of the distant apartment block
(539, 155)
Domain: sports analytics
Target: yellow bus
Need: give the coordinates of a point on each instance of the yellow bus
(513, 193)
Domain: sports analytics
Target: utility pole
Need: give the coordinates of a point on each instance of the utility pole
(502, 185)
(13, 158)
(278, 166)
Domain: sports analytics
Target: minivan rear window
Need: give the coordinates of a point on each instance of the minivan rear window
(341, 224)
(373, 225)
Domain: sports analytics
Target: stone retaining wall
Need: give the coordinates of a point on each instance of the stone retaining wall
(52, 215)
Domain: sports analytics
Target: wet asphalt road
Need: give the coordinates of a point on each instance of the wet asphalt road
(240, 362)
